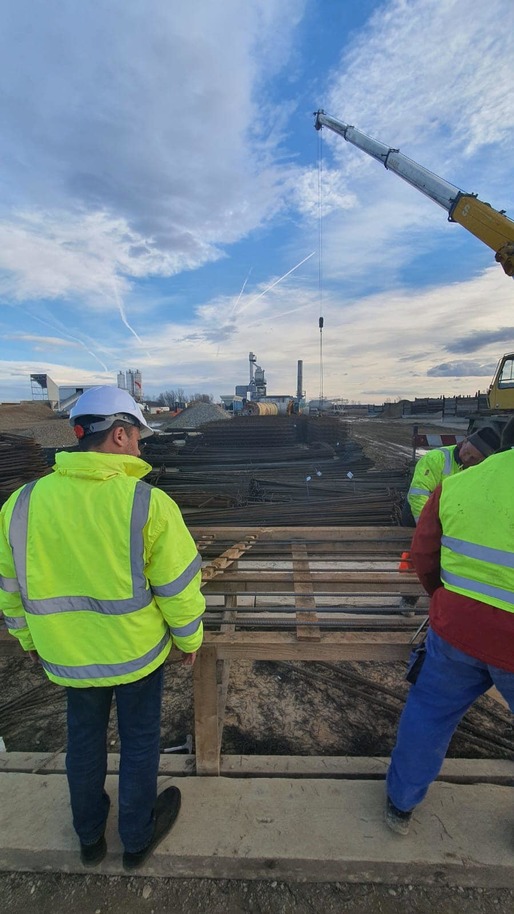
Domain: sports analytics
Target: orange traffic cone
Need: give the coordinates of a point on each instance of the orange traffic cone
(405, 563)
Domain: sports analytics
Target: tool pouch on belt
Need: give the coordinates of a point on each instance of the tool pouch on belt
(416, 661)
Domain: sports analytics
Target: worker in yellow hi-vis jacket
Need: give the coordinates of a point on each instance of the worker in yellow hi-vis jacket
(442, 462)
(99, 576)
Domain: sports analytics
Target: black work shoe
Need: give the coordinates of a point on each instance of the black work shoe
(397, 820)
(93, 854)
(167, 808)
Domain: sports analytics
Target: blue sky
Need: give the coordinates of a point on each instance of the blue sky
(160, 177)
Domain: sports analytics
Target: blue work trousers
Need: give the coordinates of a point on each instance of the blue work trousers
(138, 706)
(448, 683)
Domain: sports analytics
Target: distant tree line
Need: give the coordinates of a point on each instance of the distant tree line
(178, 399)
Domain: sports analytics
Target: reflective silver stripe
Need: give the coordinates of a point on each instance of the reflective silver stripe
(186, 630)
(10, 585)
(141, 594)
(18, 535)
(413, 491)
(15, 622)
(106, 670)
(447, 462)
(53, 605)
(179, 584)
(483, 553)
(477, 587)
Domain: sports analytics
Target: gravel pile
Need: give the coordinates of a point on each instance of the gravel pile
(194, 416)
(33, 419)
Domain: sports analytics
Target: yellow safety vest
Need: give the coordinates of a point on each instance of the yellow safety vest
(430, 471)
(98, 572)
(477, 547)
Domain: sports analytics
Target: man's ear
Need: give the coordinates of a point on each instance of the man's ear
(118, 436)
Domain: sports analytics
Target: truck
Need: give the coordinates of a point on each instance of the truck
(489, 225)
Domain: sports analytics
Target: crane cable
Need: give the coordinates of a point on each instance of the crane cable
(320, 276)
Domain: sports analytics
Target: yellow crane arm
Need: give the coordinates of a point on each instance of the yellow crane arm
(487, 224)
(491, 226)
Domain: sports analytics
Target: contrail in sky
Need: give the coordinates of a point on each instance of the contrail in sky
(281, 314)
(241, 292)
(70, 337)
(123, 316)
(247, 305)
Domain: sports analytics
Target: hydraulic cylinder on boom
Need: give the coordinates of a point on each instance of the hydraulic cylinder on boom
(491, 226)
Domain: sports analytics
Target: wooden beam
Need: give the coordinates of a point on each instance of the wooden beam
(227, 625)
(206, 712)
(384, 646)
(305, 602)
(227, 558)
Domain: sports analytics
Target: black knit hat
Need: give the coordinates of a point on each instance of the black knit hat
(486, 440)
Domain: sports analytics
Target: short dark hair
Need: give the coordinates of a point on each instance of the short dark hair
(96, 439)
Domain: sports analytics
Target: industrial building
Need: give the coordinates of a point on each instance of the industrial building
(131, 380)
(60, 396)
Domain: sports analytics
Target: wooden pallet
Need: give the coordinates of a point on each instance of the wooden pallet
(255, 575)
(267, 591)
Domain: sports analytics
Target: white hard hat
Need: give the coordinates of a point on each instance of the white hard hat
(109, 404)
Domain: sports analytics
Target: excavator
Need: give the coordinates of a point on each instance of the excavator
(491, 226)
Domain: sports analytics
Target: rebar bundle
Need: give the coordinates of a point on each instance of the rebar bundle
(21, 460)
(276, 470)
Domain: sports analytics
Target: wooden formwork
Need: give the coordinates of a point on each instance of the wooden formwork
(296, 593)
(293, 593)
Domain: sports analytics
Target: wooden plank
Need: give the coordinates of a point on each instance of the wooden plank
(384, 646)
(303, 534)
(228, 624)
(461, 771)
(269, 580)
(206, 712)
(305, 602)
(228, 558)
(454, 770)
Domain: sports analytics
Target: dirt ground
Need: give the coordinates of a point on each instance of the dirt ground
(22, 893)
(272, 708)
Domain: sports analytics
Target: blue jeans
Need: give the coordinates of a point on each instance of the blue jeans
(138, 706)
(448, 684)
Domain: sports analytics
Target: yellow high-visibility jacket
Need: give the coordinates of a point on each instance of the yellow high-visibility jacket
(98, 572)
(430, 471)
(477, 545)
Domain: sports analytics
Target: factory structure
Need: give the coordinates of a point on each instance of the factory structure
(62, 397)
(253, 399)
(132, 381)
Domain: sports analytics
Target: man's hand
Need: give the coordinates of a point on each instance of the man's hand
(188, 659)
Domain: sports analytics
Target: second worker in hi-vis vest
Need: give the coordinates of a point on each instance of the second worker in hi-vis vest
(463, 553)
(99, 577)
(442, 462)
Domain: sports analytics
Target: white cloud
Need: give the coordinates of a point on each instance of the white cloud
(426, 68)
(136, 143)
(41, 341)
(135, 132)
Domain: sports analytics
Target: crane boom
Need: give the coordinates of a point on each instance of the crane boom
(491, 226)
